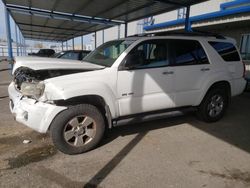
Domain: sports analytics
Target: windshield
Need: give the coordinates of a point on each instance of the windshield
(107, 53)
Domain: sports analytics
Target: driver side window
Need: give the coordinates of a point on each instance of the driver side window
(148, 54)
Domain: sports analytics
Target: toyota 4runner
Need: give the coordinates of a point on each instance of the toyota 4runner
(125, 80)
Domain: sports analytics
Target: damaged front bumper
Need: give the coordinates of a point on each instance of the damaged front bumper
(32, 113)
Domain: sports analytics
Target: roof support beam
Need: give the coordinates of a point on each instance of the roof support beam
(40, 35)
(135, 9)
(172, 2)
(45, 32)
(50, 27)
(61, 16)
(39, 39)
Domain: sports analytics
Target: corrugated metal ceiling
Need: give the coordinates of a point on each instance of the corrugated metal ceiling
(55, 28)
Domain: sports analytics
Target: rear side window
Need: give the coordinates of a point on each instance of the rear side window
(187, 52)
(226, 50)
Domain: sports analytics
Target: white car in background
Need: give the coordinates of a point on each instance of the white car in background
(122, 81)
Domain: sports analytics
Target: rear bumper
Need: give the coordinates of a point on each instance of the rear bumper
(34, 114)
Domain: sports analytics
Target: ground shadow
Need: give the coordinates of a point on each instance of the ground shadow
(4, 69)
(105, 171)
(234, 128)
(3, 97)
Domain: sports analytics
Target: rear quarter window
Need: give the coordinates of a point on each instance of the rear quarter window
(187, 52)
(226, 50)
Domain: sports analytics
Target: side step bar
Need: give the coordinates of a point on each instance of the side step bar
(144, 117)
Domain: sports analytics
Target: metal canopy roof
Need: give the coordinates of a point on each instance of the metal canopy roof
(61, 20)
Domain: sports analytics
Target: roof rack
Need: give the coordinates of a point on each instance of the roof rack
(192, 33)
(141, 35)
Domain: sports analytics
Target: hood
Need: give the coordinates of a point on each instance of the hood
(42, 63)
(35, 69)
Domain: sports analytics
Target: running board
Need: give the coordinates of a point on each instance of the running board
(144, 117)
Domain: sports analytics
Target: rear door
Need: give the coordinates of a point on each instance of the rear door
(191, 68)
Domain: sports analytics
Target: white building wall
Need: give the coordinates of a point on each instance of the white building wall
(201, 8)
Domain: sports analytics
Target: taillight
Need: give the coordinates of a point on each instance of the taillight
(244, 69)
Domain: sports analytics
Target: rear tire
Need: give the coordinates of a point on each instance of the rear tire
(214, 105)
(78, 129)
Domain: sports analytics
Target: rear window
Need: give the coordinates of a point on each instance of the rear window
(226, 50)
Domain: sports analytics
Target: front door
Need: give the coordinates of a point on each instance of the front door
(146, 84)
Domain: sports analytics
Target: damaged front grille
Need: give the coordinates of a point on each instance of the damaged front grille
(24, 75)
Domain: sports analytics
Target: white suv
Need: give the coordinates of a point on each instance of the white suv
(128, 79)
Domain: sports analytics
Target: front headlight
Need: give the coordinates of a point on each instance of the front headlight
(32, 89)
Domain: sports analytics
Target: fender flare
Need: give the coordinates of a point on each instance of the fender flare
(90, 88)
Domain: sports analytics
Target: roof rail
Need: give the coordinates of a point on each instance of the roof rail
(141, 35)
(193, 33)
(184, 33)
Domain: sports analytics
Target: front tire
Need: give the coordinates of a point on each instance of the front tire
(214, 105)
(78, 129)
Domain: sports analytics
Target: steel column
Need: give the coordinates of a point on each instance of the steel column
(82, 42)
(102, 36)
(119, 31)
(20, 43)
(22, 46)
(126, 29)
(8, 33)
(95, 40)
(187, 20)
(17, 46)
(73, 44)
(67, 45)
(25, 47)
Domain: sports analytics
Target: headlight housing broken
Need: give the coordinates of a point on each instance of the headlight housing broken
(32, 89)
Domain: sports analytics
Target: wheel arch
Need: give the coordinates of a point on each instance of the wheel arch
(222, 83)
(95, 100)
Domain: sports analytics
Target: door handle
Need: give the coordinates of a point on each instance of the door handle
(205, 69)
(168, 72)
